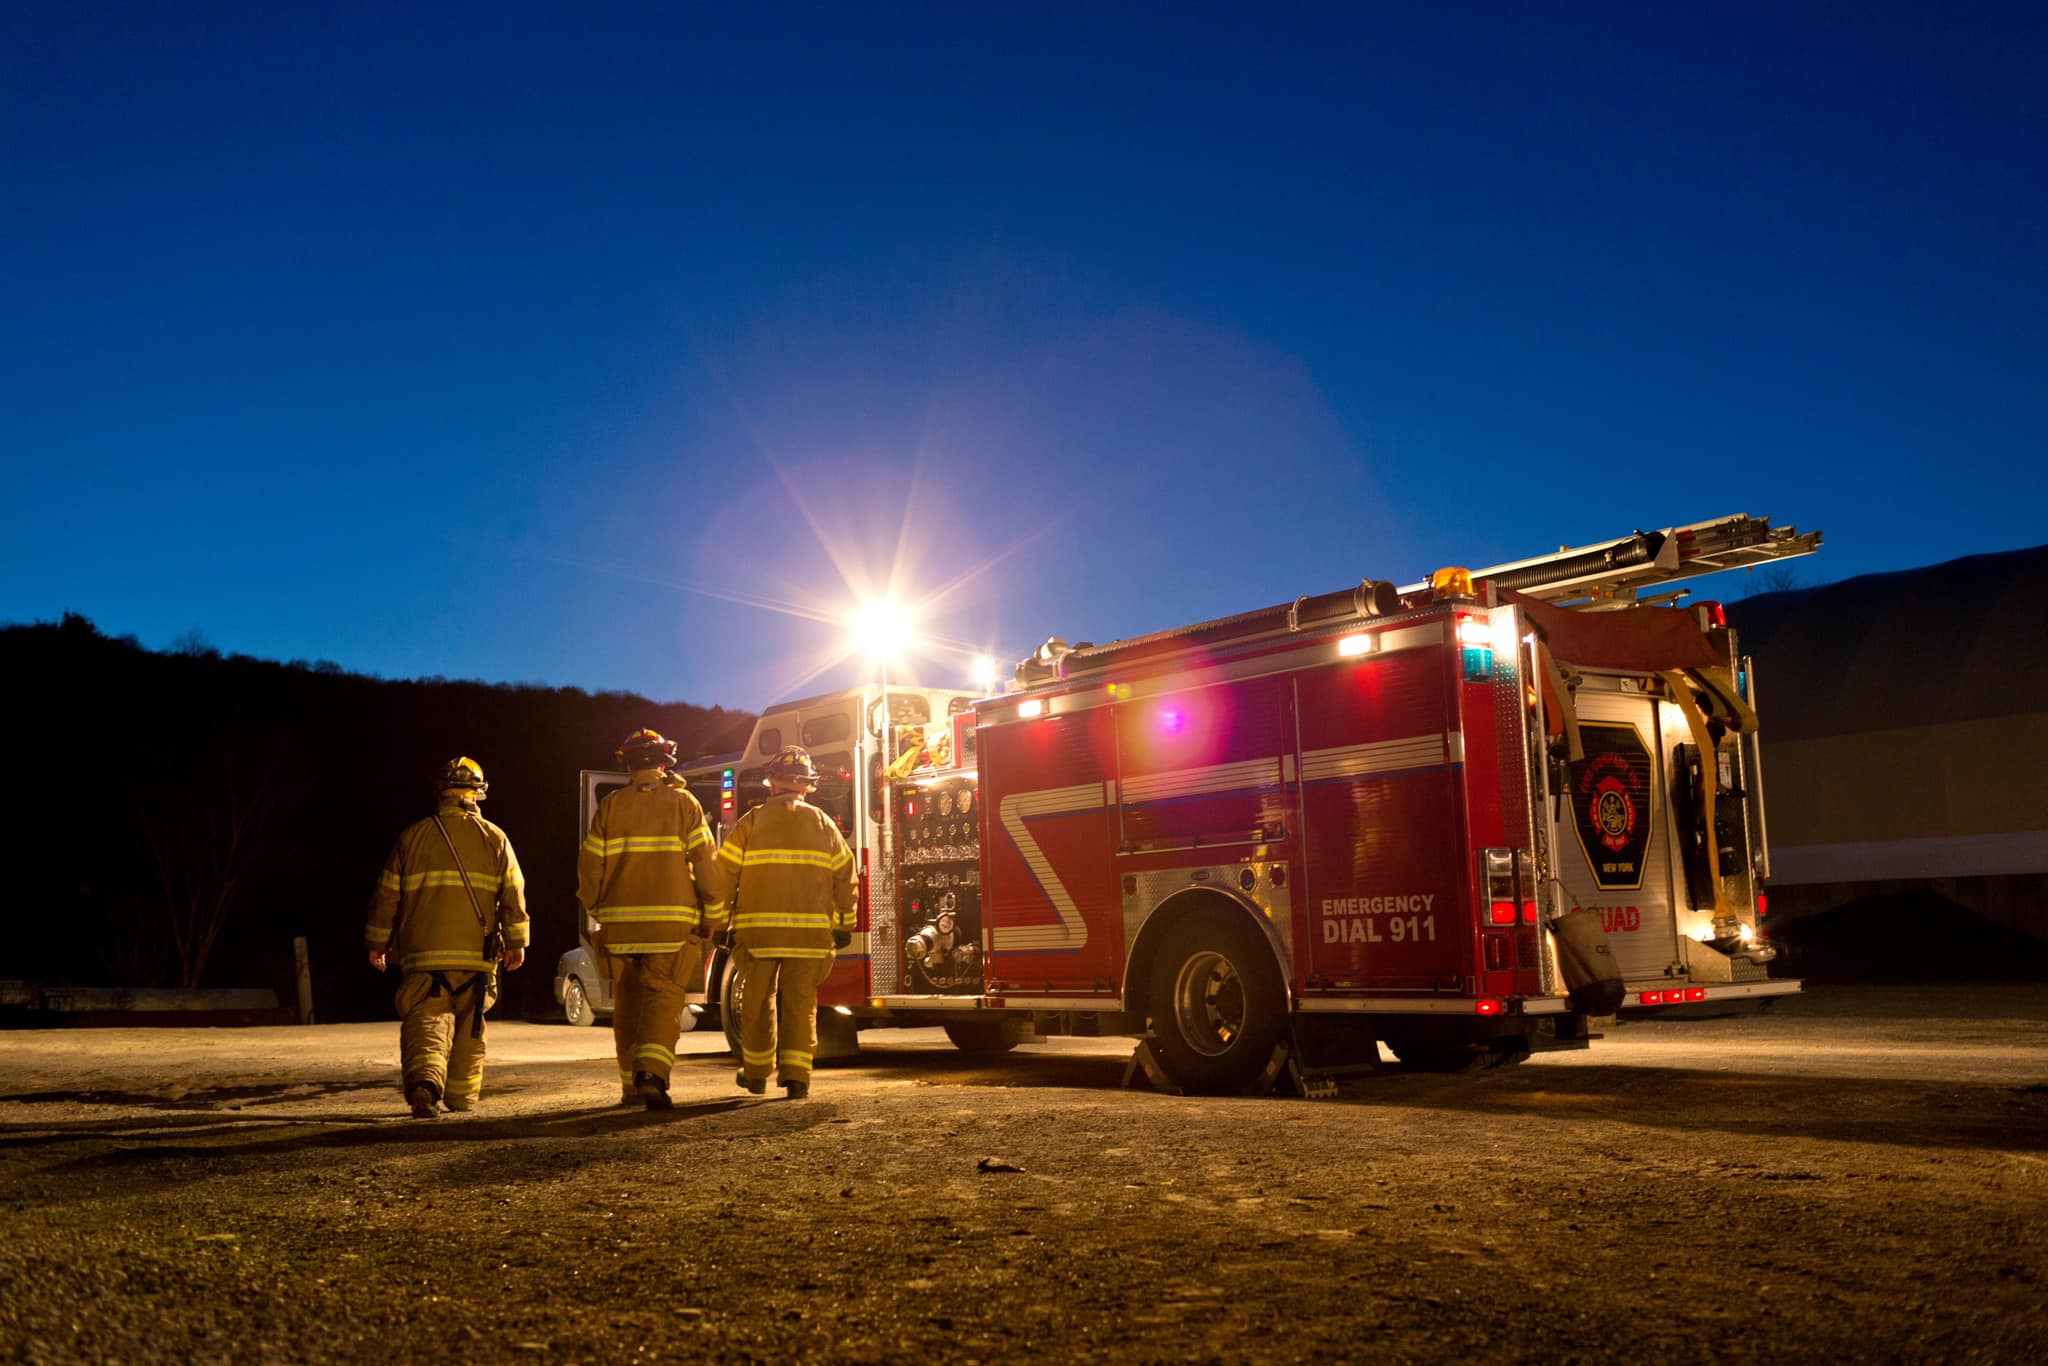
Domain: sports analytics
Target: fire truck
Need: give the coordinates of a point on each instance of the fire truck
(1460, 820)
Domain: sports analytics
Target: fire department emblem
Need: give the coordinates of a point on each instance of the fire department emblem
(1614, 814)
(1611, 804)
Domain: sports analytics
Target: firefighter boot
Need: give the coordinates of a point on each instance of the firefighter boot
(424, 1097)
(798, 1090)
(653, 1091)
(757, 1085)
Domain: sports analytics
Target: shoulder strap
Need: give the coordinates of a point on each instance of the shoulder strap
(473, 905)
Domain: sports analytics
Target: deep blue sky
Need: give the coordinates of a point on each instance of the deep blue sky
(499, 341)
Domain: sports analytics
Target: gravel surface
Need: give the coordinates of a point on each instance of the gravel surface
(1858, 1175)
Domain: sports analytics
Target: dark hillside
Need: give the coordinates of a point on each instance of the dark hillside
(148, 781)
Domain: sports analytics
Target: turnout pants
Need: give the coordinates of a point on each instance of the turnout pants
(779, 1015)
(435, 1044)
(647, 1008)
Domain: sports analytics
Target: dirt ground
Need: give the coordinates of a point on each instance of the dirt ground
(1858, 1174)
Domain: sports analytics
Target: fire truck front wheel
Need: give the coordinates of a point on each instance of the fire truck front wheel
(987, 1038)
(1217, 1002)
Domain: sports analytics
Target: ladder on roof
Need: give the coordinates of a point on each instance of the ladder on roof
(1617, 571)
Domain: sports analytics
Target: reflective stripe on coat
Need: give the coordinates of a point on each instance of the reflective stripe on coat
(795, 879)
(420, 895)
(647, 871)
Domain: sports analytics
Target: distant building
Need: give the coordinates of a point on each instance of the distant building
(1906, 737)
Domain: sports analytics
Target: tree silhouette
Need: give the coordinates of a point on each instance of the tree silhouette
(205, 826)
(1776, 578)
(234, 804)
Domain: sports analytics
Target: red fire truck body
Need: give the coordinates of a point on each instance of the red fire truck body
(1226, 835)
(1457, 819)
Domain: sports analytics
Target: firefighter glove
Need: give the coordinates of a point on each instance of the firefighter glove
(840, 939)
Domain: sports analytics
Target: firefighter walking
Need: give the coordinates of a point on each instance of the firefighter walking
(646, 874)
(450, 901)
(792, 911)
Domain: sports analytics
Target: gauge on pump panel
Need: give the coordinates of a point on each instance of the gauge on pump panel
(966, 801)
(945, 803)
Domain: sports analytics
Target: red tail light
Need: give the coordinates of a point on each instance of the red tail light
(1486, 1005)
(1763, 905)
(1528, 912)
(1713, 615)
(1676, 996)
(1501, 913)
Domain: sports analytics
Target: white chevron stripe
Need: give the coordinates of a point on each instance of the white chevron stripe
(1194, 782)
(1072, 931)
(1382, 756)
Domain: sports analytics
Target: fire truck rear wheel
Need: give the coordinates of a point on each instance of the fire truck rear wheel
(1472, 1057)
(1217, 1003)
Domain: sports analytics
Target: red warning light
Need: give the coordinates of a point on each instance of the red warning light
(1486, 1006)
(1501, 913)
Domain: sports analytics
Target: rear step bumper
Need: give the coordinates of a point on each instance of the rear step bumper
(1638, 998)
(1646, 995)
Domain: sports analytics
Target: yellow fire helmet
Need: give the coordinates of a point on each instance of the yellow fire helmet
(646, 748)
(793, 765)
(461, 775)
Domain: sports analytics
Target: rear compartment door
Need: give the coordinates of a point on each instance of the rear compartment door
(1615, 839)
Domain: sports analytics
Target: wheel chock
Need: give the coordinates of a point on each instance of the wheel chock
(1311, 1085)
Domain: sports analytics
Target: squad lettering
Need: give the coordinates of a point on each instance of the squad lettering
(1615, 919)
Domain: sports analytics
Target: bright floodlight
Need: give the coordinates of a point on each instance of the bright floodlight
(882, 628)
(985, 673)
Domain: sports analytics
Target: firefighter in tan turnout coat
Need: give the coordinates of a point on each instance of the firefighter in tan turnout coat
(646, 875)
(792, 909)
(450, 899)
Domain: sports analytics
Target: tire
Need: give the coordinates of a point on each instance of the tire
(1505, 1051)
(1508, 1052)
(1464, 1058)
(732, 987)
(1217, 1003)
(984, 1038)
(576, 1007)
